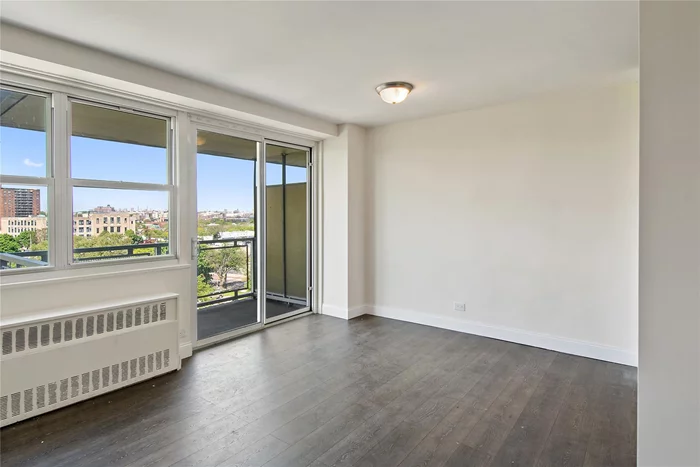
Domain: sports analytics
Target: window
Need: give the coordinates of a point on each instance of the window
(119, 162)
(118, 166)
(26, 179)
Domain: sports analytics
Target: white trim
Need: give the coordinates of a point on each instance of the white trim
(519, 336)
(85, 275)
(31, 318)
(345, 313)
(224, 336)
(185, 350)
(221, 124)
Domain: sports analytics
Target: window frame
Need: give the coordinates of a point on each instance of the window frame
(60, 184)
(48, 180)
(168, 187)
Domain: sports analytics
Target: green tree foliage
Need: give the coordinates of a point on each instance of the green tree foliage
(133, 237)
(204, 269)
(103, 239)
(27, 239)
(9, 244)
(224, 260)
(204, 288)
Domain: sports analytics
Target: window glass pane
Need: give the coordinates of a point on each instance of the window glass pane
(119, 224)
(22, 134)
(286, 229)
(24, 226)
(112, 145)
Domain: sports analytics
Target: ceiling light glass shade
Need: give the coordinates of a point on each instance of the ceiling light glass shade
(394, 92)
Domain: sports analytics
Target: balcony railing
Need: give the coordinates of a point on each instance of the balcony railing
(25, 259)
(225, 257)
(215, 258)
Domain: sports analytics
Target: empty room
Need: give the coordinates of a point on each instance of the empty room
(349, 233)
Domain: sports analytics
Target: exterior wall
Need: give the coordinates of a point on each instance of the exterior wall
(16, 225)
(527, 213)
(95, 223)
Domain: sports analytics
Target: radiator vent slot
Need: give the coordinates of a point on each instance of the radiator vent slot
(33, 337)
(19, 335)
(6, 342)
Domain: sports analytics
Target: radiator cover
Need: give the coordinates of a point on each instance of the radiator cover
(75, 355)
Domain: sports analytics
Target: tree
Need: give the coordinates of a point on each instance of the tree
(203, 287)
(225, 260)
(27, 238)
(42, 235)
(133, 237)
(9, 244)
(204, 268)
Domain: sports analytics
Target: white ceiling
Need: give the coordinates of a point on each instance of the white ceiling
(325, 58)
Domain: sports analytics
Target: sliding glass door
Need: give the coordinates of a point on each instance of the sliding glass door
(227, 292)
(253, 233)
(287, 228)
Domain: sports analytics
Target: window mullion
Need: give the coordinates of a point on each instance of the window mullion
(61, 232)
(87, 183)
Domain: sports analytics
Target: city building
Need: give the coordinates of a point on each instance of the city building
(87, 224)
(19, 202)
(16, 225)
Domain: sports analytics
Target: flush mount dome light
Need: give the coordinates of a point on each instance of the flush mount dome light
(394, 92)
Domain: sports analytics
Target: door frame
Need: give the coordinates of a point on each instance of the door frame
(261, 137)
(309, 227)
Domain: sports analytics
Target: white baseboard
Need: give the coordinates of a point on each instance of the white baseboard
(519, 336)
(345, 313)
(359, 311)
(185, 350)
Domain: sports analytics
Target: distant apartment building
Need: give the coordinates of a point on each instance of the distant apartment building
(16, 225)
(88, 224)
(19, 202)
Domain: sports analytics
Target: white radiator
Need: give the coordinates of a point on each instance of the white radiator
(55, 359)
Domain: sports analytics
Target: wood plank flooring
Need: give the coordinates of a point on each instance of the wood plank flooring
(323, 392)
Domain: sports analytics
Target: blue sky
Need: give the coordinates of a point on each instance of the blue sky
(223, 183)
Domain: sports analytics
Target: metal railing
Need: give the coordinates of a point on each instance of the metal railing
(25, 259)
(214, 264)
(223, 292)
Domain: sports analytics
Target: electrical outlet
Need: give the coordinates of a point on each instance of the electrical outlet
(460, 306)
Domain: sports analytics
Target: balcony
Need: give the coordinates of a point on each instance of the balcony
(227, 293)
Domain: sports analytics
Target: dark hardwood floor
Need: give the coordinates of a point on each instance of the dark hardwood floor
(322, 392)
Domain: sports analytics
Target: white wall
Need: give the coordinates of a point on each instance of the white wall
(669, 307)
(526, 212)
(344, 223)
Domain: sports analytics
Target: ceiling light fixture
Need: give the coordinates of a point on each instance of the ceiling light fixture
(394, 92)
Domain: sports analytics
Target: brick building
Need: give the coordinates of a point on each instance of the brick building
(19, 202)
